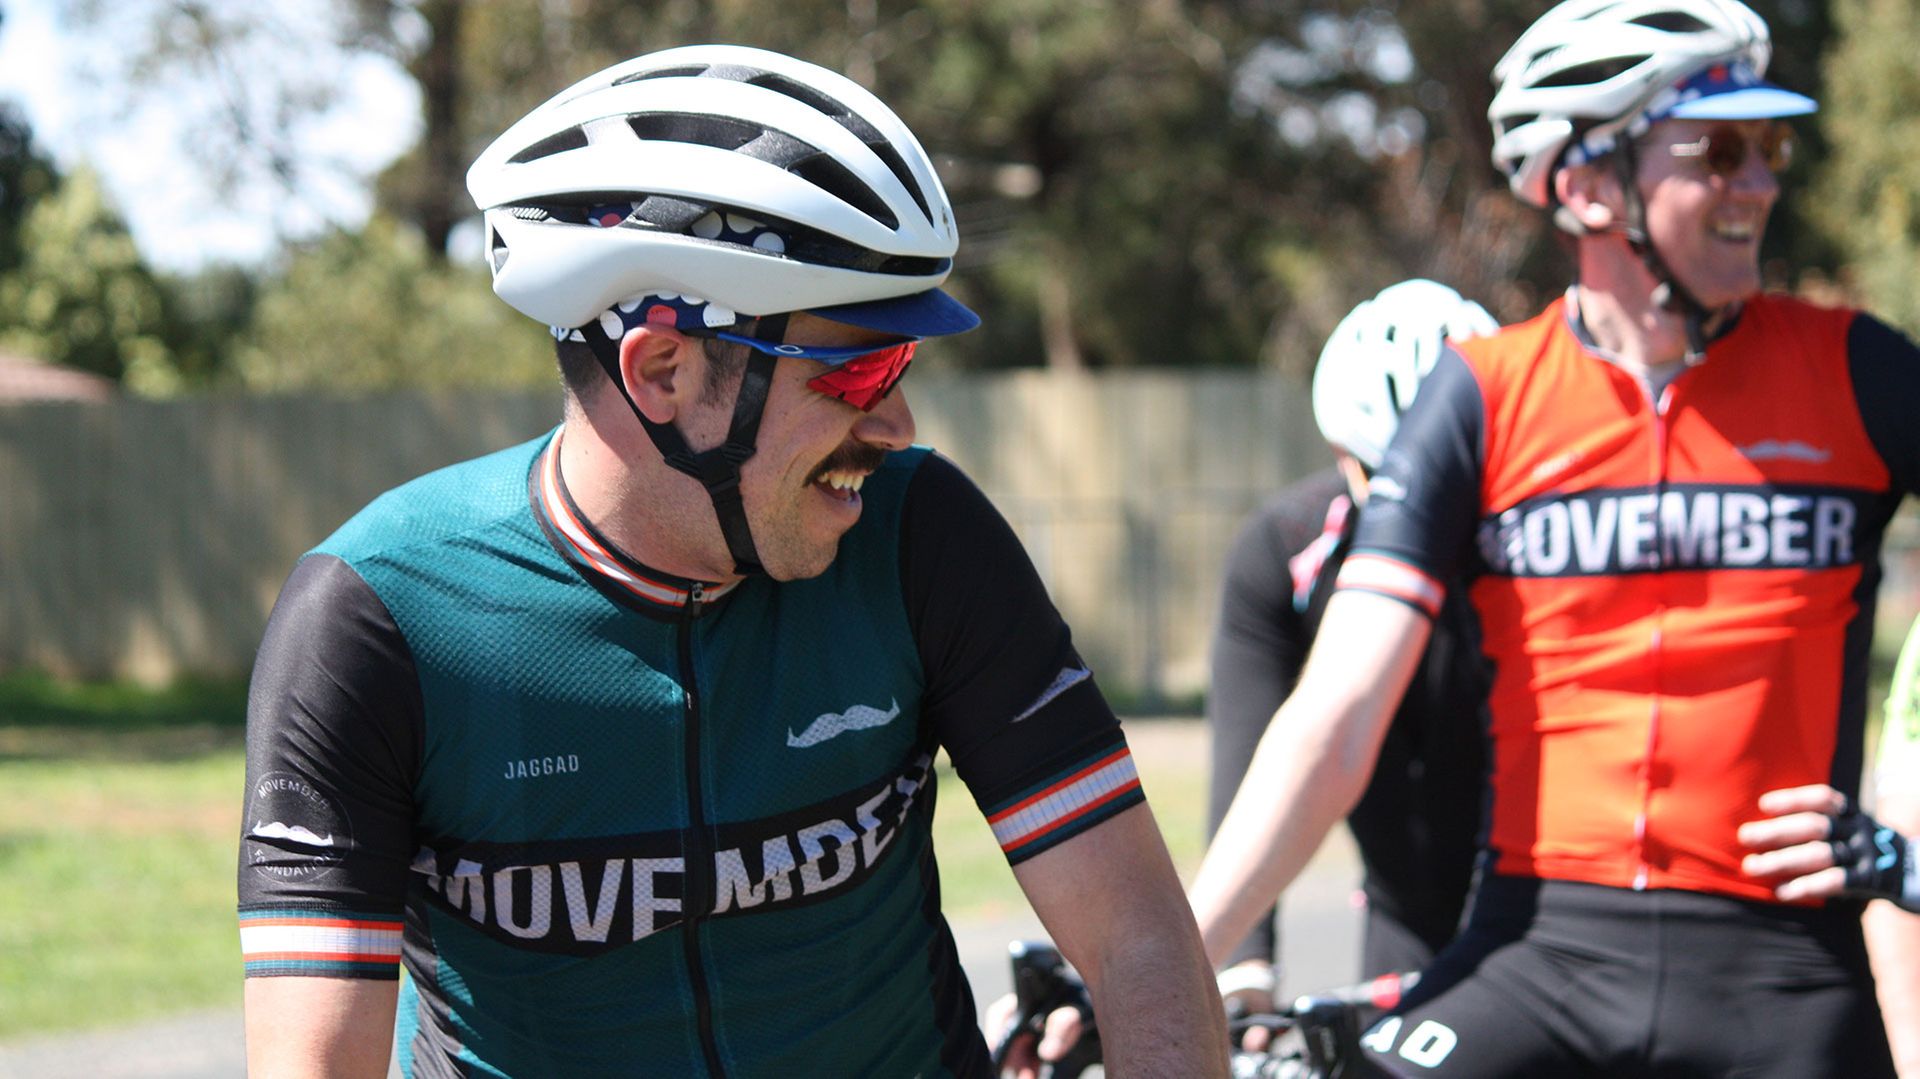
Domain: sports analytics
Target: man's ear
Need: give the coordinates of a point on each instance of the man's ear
(1591, 195)
(659, 365)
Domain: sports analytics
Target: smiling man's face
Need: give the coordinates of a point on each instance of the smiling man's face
(801, 488)
(1707, 226)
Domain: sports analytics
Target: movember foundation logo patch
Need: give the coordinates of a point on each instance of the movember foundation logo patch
(294, 830)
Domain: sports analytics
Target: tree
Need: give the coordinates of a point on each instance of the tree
(1866, 188)
(1137, 181)
(252, 90)
(82, 296)
(26, 176)
(375, 310)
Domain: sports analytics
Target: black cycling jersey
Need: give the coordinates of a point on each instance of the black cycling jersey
(1418, 823)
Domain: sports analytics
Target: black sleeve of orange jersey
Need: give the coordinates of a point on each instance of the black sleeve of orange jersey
(333, 746)
(1423, 504)
(1008, 697)
(1886, 382)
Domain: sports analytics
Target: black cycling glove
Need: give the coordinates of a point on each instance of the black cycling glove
(1879, 861)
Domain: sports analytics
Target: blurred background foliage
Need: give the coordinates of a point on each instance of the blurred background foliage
(1140, 182)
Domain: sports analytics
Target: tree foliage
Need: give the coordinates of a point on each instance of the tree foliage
(26, 176)
(373, 309)
(1137, 181)
(81, 295)
(1868, 194)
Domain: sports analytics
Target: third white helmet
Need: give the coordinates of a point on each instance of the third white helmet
(1373, 362)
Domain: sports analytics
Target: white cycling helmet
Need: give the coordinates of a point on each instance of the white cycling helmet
(753, 181)
(1374, 361)
(1589, 69)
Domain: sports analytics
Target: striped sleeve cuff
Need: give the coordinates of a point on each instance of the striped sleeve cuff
(1392, 578)
(319, 943)
(1067, 803)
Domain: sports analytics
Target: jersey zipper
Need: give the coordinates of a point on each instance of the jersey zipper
(699, 844)
(1661, 403)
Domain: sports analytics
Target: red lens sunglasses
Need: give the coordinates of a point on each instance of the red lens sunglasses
(861, 375)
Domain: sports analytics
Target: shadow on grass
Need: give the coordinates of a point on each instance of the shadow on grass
(44, 718)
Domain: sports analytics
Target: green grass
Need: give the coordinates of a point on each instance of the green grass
(100, 708)
(117, 902)
(119, 810)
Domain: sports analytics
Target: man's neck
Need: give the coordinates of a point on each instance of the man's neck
(1633, 331)
(633, 499)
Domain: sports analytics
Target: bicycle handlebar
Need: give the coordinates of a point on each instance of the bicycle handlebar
(1326, 1024)
(1042, 984)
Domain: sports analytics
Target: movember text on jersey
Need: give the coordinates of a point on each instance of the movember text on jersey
(586, 896)
(1682, 526)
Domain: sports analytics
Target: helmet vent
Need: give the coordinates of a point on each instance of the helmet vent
(1673, 22)
(681, 72)
(886, 153)
(1589, 74)
(860, 127)
(496, 249)
(570, 139)
(833, 177)
(717, 131)
(806, 95)
(1514, 123)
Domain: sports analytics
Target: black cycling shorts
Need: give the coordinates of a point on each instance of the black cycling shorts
(1555, 978)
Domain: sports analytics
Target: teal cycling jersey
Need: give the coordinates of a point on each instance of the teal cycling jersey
(611, 821)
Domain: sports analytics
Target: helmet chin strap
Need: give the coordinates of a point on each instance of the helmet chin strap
(717, 469)
(1667, 290)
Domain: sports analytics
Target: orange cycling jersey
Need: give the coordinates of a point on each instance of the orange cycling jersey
(1676, 593)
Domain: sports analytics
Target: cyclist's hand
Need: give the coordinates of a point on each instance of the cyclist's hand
(1248, 988)
(1062, 1033)
(1817, 847)
(1790, 844)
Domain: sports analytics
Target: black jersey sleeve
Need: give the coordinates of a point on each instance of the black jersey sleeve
(1424, 502)
(1886, 381)
(333, 746)
(1008, 696)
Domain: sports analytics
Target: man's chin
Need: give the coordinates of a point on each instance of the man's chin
(801, 565)
(1724, 294)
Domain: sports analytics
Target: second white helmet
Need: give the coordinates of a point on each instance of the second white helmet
(1375, 359)
(1587, 68)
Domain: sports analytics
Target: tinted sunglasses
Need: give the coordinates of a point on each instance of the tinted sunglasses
(860, 375)
(1723, 150)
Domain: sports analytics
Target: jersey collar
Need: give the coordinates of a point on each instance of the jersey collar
(605, 565)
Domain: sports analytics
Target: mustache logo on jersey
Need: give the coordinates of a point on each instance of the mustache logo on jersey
(297, 830)
(859, 717)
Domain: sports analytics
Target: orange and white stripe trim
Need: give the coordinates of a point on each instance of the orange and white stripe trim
(590, 551)
(317, 942)
(1394, 579)
(1064, 806)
